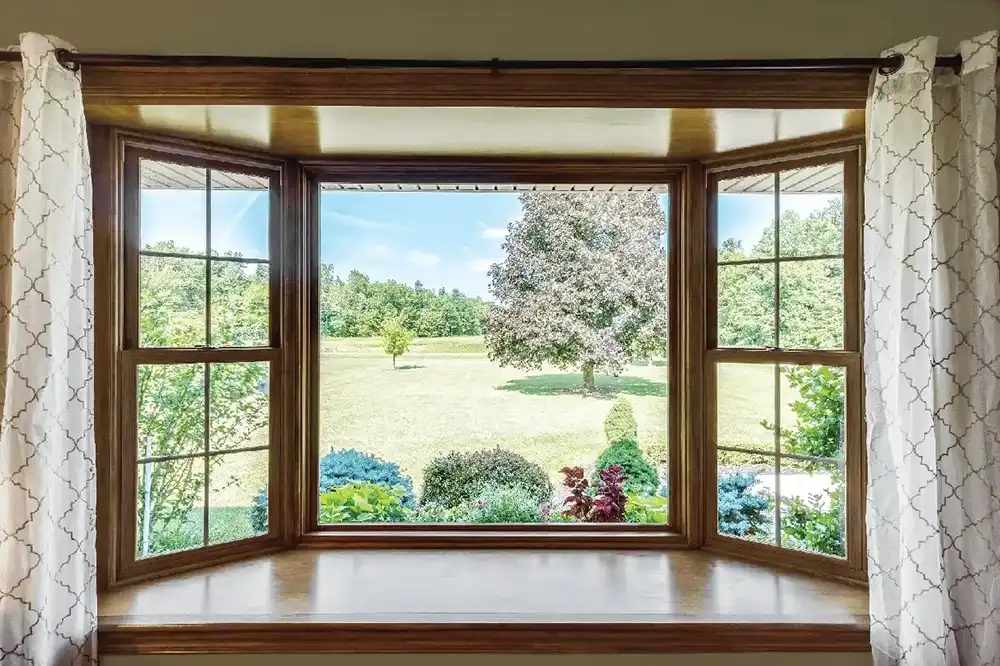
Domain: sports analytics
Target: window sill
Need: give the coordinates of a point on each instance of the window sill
(322, 601)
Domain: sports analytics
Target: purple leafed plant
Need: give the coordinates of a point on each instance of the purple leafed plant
(579, 503)
(609, 507)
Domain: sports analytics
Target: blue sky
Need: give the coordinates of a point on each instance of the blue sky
(446, 239)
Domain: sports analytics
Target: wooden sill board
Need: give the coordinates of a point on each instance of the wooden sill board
(314, 601)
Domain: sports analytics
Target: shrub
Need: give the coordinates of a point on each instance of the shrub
(741, 510)
(579, 502)
(646, 509)
(509, 505)
(458, 477)
(620, 423)
(363, 503)
(609, 507)
(641, 476)
(810, 525)
(258, 513)
(339, 468)
(432, 512)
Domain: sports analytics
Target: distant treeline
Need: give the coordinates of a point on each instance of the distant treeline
(357, 307)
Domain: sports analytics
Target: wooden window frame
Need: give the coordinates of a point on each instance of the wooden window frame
(849, 152)
(294, 453)
(500, 171)
(118, 354)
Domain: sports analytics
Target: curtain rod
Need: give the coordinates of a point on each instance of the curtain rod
(887, 65)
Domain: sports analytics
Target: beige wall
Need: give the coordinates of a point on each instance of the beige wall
(789, 659)
(500, 28)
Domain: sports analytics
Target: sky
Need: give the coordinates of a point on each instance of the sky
(443, 239)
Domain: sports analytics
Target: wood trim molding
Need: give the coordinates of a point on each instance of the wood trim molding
(442, 87)
(495, 170)
(680, 636)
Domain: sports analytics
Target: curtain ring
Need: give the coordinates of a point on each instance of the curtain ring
(65, 58)
(891, 64)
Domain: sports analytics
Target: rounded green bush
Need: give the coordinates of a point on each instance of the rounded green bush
(641, 476)
(458, 477)
(620, 423)
(500, 505)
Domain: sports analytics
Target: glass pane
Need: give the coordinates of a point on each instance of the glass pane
(461, 426)
(812, 416)
(746, 496)
(812, 304)
(745, 218)
(812, 507)
(745, 406)
(240, 298)
(171, 410)
(172, 202)
(170, 506)
(239, 405)
(241, 211)
(237, 496)
(812, 211)
(171, 302)
(746, 305)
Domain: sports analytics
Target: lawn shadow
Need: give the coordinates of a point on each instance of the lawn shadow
(572, 384)
(410, 367)
(658, 363)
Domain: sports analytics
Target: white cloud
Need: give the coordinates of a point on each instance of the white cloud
(380, 251)
(418, 258)
(482, 264)
(493, 233)
(354, 221)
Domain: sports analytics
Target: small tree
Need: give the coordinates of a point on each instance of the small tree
(396, 338)
(583, 284)
(620, 423)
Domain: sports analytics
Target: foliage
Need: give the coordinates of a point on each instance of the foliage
(506, 505)
(457, 477)
(345, 466)
(396, 338)
(811, 291)
(171, 398)
(579, 502)
(359, 306)
(620, 423)
(742, 511)
(609, 507)
(811, 525)
(258, 513)
(646, 509)
(583, 283)
(432, 512)
(642, 476)
(363, 503)
(819, 413)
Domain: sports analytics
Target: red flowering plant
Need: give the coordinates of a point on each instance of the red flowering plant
(579, 502)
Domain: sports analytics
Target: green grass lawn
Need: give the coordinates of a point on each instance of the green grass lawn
(447, 396)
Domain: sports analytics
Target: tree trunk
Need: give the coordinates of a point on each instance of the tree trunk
(393, 361)
(588, 376)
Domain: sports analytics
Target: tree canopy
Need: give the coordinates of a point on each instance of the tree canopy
(811, 306)
(359, 306)
(583, 283)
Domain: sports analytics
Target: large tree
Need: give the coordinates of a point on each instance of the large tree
(583, 284)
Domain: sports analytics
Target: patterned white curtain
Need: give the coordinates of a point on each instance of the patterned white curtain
(932, 359)
(48, 600)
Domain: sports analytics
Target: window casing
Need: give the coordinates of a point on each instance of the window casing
(290, 350)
